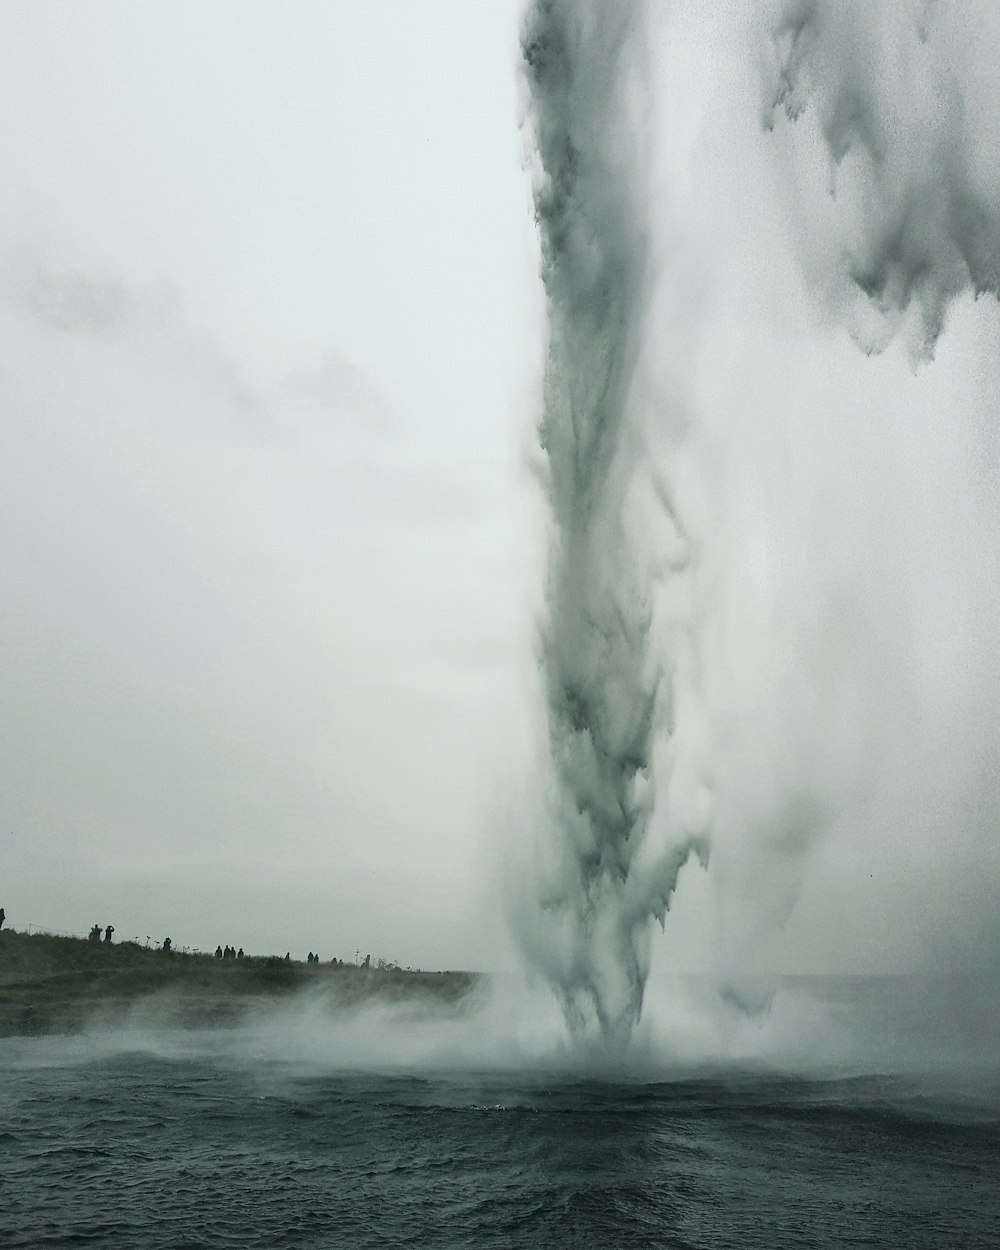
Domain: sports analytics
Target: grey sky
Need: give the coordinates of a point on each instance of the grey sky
(270, 349)
(264, 292)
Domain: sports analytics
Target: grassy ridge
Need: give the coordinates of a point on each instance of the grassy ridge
(54, 984)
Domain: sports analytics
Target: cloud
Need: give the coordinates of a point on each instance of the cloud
(73, 302)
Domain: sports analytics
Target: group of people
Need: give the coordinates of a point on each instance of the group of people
(95, 935)
(228, 953)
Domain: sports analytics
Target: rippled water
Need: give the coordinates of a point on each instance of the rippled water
(200, 1144)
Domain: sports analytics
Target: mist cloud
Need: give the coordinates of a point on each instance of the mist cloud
(902, 96)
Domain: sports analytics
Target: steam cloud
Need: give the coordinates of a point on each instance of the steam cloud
(902, 95)
(606, 694)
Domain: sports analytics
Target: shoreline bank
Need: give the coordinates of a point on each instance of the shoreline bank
(52, 984)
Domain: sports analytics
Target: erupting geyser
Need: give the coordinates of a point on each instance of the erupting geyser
(769, 654)
(606, 692)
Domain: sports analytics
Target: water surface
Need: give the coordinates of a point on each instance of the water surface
(202, 1143)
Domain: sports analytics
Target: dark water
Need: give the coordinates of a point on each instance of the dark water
(199, 1147)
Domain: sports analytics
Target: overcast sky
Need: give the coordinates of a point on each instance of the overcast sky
(271, 549)
(268, 328)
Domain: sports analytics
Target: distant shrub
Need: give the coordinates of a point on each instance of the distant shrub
(269, 970)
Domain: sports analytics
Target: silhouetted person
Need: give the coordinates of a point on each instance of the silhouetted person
(239, 953)
(3, 917)
(218, 952)
(309, 958)
(288, 957)
(108, 930)
(95, 933)
(167, 944)
(368, 962)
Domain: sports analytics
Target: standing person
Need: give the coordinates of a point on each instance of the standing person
(3, 917)
(108, 930)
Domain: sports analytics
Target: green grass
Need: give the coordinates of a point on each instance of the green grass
(54, 984)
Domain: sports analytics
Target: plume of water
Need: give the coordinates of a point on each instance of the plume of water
(836, 515)
(606, 693)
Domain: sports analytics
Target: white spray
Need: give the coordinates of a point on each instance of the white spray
(813, 652)
(606, 694)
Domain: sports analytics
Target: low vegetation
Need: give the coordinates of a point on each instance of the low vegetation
(54, 984)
